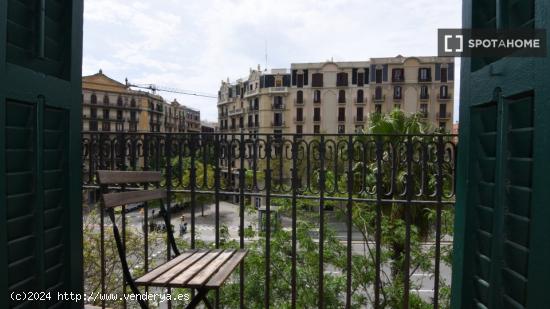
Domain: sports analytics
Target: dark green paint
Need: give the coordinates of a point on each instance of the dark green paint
(502, 231)
(40, 153)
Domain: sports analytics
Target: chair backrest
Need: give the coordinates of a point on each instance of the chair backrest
(124, 178)
(115, 199)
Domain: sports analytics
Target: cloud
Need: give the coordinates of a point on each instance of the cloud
(193, 45)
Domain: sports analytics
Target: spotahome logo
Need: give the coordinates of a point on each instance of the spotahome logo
(492, 43)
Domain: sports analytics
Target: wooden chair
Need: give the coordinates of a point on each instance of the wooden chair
(203, 270)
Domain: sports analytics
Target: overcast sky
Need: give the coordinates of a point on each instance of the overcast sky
(193, 45)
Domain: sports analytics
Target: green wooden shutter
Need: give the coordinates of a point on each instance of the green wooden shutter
(40, 152)
(502, 231)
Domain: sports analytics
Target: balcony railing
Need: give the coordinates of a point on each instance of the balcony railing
(235, 112)
(299, 120)
(277, 106)
(380, 98)
(361, 212)
(250, 93)
(278, 90)
(444, 97)
(277, 124)
(444, 116)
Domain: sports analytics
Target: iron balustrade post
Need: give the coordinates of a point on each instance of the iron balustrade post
(102, 247)
(217, 184)
(439, 196)
(168, 180)
(321, 221)
(378, 232)
(295, 186)
(241, 216)
(122, 166)
(146, 208)
(267, 223)
(349, 221)
(192, 182)
(409, 193)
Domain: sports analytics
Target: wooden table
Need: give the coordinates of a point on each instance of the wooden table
(202, 270)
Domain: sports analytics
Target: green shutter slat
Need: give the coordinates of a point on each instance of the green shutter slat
(20, 194)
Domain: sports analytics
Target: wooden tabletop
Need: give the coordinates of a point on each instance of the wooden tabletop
(195, 269)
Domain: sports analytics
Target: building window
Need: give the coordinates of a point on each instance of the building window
(93, 113)
(397, 92)
(442, 125)
(360, 79)
(256, 104)
(443, 75)
(133, 103)
(424, 110)
(317, 80)
(378, 108)
(442, 110)
(341, 114)
(277, 119)
(342, 79)
(443, 92)
(397, 106)
(359, 128)
(256, 121)
(316, 129)
(378, 93)
(299, 114)
(342, 96)
(424, 92)
(93, 125)
(378, 76)
(119, 101)
(341, 129)
(359, 114)
(299, 129)
(93, 99)
(424, 74)
(317, 114)
(317, 96)
(398, 75)
(106, 99)
(105, 114)
(278, 102)
(360, 96)
(132, 115)
(300, 80)
(300, 97)
(118, 115)
(250, 123)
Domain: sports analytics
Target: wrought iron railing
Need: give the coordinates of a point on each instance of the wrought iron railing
(395, 178)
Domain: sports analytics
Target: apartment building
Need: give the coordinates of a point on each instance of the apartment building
(337, 97)
(112, 106)
(192, 119)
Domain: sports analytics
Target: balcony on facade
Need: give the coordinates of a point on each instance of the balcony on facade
(278, 124)
(446, 97)
(252, 92)
(277, 90)
(359, 119)
(299, 120)
(234, 112)
(277, 106)
(379, 98)
(443, 115)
